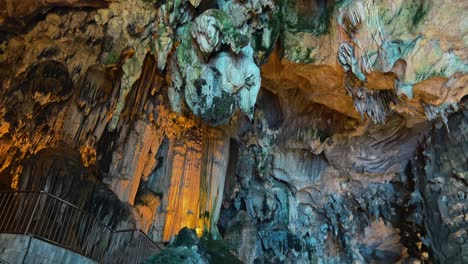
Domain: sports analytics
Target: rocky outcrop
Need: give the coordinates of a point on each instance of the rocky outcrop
(380, 47)
(186, 247)
(381, 149)
(60, 171)
(184, 166)
(15, 15)
(299, 204)
(440, 170)
(215, 89)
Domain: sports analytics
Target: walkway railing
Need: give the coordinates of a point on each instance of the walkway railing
(56, 221)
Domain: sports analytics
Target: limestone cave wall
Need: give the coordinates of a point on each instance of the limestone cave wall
(295, 131)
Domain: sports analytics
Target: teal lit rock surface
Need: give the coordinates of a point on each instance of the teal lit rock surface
(186, 247)
(286, 131)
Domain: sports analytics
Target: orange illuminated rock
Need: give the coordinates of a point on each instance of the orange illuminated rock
(319, 83)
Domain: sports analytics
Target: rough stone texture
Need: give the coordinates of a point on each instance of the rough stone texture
(215, 89)
(184, 167)
(60, 172)
(15, 14)
(440, 170)
(186, 247)
(394, 55)
(380, 149)
(296, 131)
(322, 194)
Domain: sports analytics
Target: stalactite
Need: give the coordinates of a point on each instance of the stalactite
(289, 125)
(373, 103)
(134, 159)
(90, 111)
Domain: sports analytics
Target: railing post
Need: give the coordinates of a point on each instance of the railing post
(138, 250)
(94, 242)
(32, 214)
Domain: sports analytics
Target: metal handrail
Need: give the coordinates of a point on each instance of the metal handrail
(50, 218)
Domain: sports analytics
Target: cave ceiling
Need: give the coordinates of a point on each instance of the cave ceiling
(295, 131)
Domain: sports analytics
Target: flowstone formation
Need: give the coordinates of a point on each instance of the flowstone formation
(277, 131)
(214, 68)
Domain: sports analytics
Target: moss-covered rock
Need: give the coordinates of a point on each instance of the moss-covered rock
(179, 255)
(187, 248)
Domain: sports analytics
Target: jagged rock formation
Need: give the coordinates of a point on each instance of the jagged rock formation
(440, 181)
(186, 247)
(297, 132)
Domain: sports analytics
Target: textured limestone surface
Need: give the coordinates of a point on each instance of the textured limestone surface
(441, 184)
(324, 131)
